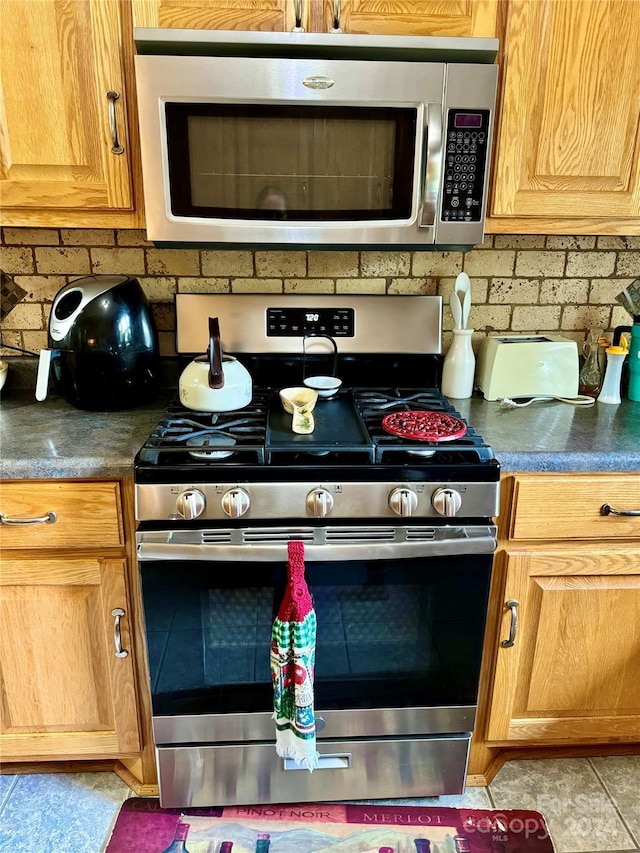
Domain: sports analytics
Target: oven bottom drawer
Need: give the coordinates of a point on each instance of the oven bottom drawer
(349, 770)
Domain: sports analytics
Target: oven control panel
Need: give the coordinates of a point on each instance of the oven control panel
(293, 322)
(466, 141)
(294, 501)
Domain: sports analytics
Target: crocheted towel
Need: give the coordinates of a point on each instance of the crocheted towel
(293, 651)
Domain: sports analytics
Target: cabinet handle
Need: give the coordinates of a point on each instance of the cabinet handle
(513, 605)
(605, 509)
(49, 518)
(297, 10)
(116, 148)
(118, 613)
(336, 28)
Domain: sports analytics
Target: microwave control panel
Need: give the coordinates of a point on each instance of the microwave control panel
(465, 160)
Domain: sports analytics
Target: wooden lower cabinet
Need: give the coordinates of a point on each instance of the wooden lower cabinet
(73, 671)
(573, 673)
(65, 690)
(570, 682)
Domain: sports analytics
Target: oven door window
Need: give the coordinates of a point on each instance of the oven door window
(291, 163)
(391, 633)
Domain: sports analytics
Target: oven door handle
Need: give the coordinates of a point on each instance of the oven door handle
(231, 545)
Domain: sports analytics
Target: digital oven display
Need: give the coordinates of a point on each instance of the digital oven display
(293, 322)
(468, 120)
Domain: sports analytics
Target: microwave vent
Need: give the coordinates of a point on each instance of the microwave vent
(177, 42)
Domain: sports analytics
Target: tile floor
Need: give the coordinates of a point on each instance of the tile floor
(591, 805)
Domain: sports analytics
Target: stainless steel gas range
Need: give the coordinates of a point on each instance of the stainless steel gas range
(399, 544)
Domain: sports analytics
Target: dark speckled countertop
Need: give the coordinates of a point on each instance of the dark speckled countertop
(554, 436)
(53, 439)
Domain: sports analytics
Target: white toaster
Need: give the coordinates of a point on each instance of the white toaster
(527, 366)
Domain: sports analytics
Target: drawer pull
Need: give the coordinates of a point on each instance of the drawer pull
(49, 518)
(605, 509)
(513, 605)
(118, 613)
(335, 761)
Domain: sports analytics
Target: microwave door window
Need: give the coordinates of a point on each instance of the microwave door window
(291, 163)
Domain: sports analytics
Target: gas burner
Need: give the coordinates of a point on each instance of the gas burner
(212, 446)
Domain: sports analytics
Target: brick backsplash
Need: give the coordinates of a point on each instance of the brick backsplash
(520, 283)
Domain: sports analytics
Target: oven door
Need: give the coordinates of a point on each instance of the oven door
(399, 638)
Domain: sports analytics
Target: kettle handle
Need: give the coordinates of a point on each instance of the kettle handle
(216, 376)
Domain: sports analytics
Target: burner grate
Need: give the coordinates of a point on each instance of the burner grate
(348, 431)
(207, 436)
(374, 403)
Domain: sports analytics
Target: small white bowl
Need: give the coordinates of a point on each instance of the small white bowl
(326, 386)
(4, 369)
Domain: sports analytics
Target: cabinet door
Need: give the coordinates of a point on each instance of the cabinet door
(64, 692)
(573, 673)
(568, 144)
(413, 17)
(268, 15)
(58, 61)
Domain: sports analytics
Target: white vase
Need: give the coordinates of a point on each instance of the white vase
(459, 366)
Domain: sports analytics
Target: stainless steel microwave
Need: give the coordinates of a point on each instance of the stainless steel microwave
(315, 140)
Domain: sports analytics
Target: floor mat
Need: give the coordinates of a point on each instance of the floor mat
(142, 826)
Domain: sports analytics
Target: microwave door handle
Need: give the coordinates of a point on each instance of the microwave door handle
(432, 171)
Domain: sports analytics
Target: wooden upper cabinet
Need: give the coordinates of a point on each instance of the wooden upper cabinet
(58, 61)
(415, 17)
(568, 143)
(266, 15)
(394, 17)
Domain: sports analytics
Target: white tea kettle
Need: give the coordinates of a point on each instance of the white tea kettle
(215, 382)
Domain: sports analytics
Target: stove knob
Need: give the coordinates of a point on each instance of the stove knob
(236, 502)
(319, 503)
(190, 504)
(403, 501)
(446, 501)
